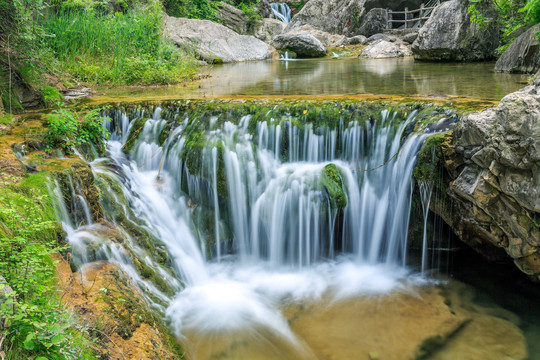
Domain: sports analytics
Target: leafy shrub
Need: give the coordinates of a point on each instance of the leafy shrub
(38, 327)
(51, 95)
(69, 129)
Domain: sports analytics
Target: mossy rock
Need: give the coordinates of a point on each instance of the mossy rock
(331, 180)
(135, 131)
(429, 158)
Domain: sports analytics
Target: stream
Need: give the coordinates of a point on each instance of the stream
(281, 231)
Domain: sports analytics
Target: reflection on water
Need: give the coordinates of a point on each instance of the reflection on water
(348, 76)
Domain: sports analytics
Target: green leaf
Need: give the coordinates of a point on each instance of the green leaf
(58, 339)
(29, 343)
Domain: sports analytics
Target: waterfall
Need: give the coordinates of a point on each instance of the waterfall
(282, 11)
(426, 190)
(253, 209)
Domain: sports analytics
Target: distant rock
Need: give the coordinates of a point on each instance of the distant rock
(325, 38)
(232, 17)
(381, 49)
(265, 9)
(385, 37)
(374, 22)
(523, 54)
(332, 16)
(357, 40)
(303, 44)
(267, 29)
(214, 42)
(449, 35)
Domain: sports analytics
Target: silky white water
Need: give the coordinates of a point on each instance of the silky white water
(274, 233)
(282, 11)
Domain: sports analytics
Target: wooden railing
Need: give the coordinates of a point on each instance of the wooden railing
(411, 18)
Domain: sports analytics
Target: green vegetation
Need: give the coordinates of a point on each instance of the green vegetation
(51, 42)
(69, 128)
(37, 326)
(513, 15)
(116, 48)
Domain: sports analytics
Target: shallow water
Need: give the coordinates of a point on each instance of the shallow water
(344, 76)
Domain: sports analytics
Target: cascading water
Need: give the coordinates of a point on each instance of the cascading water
(282, 11)
(255, 211)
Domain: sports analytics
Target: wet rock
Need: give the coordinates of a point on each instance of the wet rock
(384, 49)
(332, 16)
(449, 35)
(303, 44)
(214, 42)
(333, 184)
(374, 22)
(493, 162)
(267, 29)
(523, 54)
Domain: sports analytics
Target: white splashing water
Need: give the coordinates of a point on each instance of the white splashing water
(286, 234)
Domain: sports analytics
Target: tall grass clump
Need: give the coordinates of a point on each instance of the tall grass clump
(116, 48)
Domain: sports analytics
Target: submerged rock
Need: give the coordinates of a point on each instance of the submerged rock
(450, 35)
(332, 16)
(303, 44)
(523, 54)
(385, 49)
(215, 43)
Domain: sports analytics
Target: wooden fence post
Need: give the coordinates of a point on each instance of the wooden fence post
(389, 17)
(406, 16)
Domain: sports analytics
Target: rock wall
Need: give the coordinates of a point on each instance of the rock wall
(332, 16)
(492, 180)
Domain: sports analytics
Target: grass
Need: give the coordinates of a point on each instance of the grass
(116, 49)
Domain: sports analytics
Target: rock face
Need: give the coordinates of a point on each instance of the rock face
(374, 22)
(232, 17)
(384, 49)
(523, 54)
(265, 9)
(332, 16)
(267, 29)
(493, 159)
(449, 35)
(215, 43)
(303, 44)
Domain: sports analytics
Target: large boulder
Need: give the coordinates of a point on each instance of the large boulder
(374, 22)
(523, 54)
(332, 16)
(303, 44)
(381, 49)
(267, 29)
(449, 35)
(232, 17)
(325, 38)
(493, 161)
(215, 43)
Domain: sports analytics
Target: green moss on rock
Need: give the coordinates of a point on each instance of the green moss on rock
(429, 157)
(331, 180)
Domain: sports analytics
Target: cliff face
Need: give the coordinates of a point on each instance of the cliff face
(492, 163)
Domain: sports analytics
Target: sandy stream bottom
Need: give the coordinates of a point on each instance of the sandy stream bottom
(436, 323)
